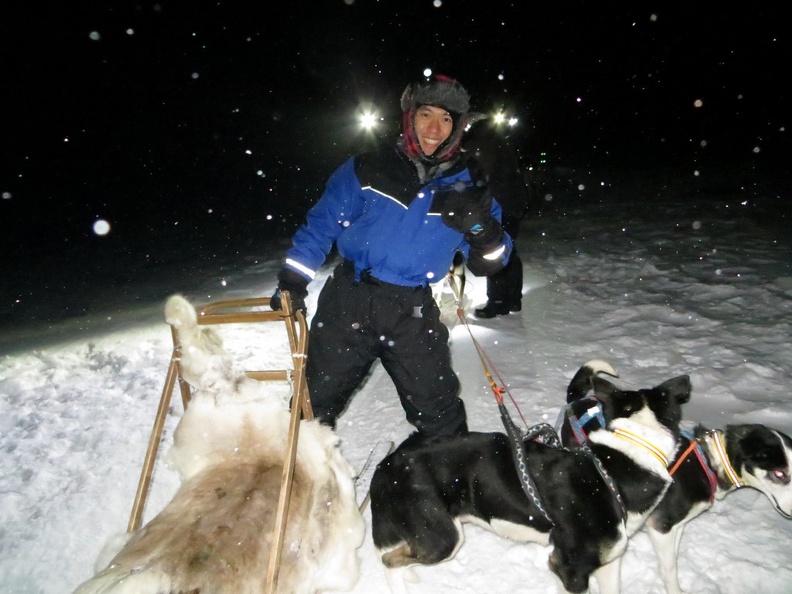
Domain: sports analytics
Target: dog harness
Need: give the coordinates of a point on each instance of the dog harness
(720, 448)
(546, 434)
(578, 423)
(695, 447)
(644, 443)
(519, 454)
(608, 480)
(542, 432)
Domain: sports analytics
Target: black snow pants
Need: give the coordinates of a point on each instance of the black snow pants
(358, 322)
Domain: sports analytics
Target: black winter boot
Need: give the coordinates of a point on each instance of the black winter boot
(492, 309)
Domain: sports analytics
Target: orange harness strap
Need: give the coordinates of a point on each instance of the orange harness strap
(691, 447)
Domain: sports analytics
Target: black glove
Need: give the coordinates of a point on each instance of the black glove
(485, 241)
(296, 285)
(465, 207)
(487, 236)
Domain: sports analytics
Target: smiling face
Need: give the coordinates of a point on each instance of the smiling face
(433, 126)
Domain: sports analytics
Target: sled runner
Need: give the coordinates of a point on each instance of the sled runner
(241, 311)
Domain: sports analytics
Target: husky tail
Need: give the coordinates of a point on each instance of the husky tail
(581, 383)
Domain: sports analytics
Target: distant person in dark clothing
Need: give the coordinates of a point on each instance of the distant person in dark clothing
(497, 159)
(397, 216)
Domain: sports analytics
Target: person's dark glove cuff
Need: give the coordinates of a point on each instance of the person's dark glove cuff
(489, 234)
(487, 253)
(296, 285)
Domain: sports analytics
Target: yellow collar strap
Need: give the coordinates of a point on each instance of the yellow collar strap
(647, 445)
(720, 448)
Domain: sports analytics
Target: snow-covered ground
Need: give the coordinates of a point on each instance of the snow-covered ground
(657, 283)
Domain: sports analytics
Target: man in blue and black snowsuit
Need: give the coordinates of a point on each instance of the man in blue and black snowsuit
(397, 216)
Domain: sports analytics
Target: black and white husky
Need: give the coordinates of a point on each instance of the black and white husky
(215, 535)
(709, 465)
(586, 503)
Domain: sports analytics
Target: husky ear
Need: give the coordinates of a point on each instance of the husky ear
(615, 402)
(677, 388)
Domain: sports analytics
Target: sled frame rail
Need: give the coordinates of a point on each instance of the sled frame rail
(241, 311)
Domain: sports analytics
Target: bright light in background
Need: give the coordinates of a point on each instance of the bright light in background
(101, 227)
(368, 120)
(367, 116)
(427, 72)
(501, 118)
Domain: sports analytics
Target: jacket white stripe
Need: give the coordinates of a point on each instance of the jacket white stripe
(304, 269)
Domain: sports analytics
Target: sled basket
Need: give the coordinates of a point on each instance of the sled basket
(241, 311)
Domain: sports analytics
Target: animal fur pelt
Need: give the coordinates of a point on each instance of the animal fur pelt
(215, 535)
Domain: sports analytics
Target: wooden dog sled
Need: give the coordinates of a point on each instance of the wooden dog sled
(241, 311)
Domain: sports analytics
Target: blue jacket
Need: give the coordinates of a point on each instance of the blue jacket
(384, 220)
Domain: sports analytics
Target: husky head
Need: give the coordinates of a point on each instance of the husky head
(593, 402)
(664, 400)
(648, 417)
(761, 457)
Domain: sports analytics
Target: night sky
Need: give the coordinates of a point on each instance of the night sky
(199, 119)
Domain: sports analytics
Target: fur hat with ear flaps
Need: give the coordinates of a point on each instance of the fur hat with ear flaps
(439, 91)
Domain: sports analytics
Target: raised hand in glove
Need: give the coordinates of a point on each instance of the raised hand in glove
(465, 207)
(296, 285)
